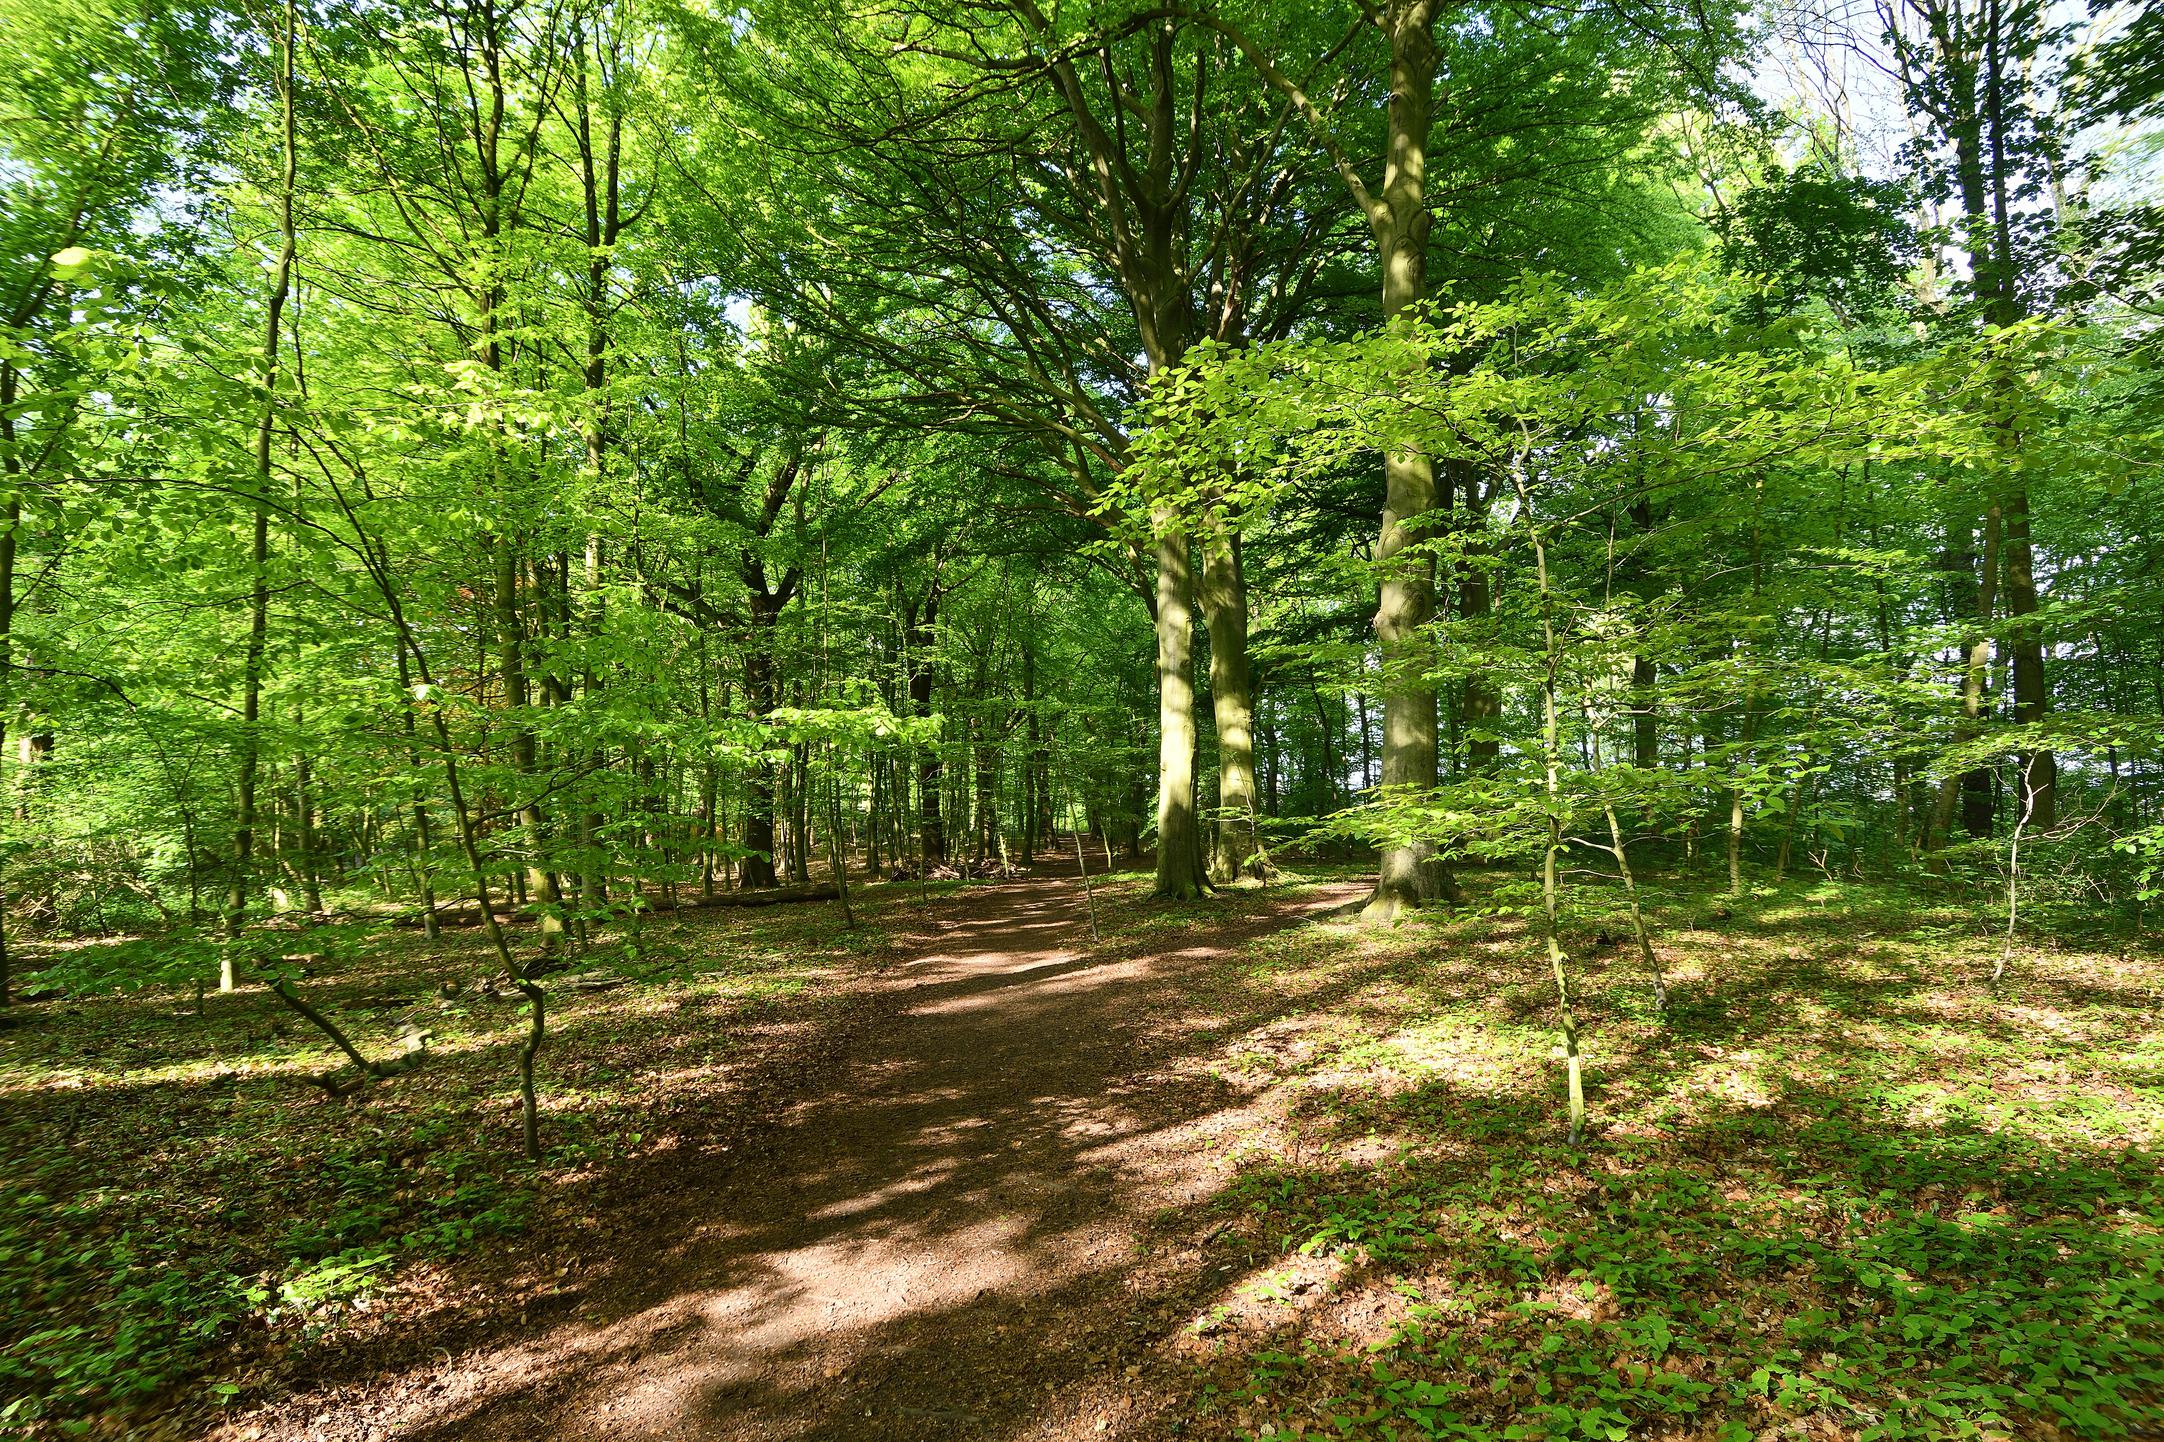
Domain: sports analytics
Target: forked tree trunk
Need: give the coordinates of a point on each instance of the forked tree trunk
(1143, 209)
(1966, 92)
(1397, 216)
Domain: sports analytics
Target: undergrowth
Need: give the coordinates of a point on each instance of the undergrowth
(1843, 1188)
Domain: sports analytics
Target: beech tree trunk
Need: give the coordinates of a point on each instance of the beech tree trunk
(1035, 802)
(541, 888)
(1235, 847)
(757, 867)
(1968, 95)
(11, 514)
(1972, 788)
(1399, 220)
(1179, 841)
(2032, 699)
(1479, 707)
(1143, 203)
(921, 622)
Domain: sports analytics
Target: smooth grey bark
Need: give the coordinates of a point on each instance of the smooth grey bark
(920, 622)
(1972, 789)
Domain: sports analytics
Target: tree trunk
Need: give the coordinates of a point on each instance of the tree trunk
(922, 623)
(2037, 805)
(1969, 97)
(1645, 714)
(541, 888)
(989, 832)
(1972, 788)
(1179, 841)
(800, 812)
(1400, 222)
(757, 867)
(1037, 769)
(11, 514)
(2039, 799)
(1236, 849)
(251, 708)
(304, 828)
(423, 832)
(1479, 707)
(1325, 728)
(1138, 791)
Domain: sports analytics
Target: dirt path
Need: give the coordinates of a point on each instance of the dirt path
(986, 1226)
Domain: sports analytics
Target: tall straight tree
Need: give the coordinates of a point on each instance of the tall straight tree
(1969, 71)
(453, 138)
(251, 707)
(1530, 106)
(1396, 210)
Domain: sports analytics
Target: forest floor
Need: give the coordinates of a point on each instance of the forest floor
(1239, 1169)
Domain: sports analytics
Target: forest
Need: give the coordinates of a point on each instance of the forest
(998, 719)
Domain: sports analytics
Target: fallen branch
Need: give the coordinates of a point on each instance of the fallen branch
(340, 1084)
(370, 1071)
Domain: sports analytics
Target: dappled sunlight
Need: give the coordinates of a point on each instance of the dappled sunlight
(1882, 1142)
(994, 1161)
(1068, 1182)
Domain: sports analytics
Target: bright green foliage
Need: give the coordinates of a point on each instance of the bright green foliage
(1828, 1185)
(698, 449)
(1740, 502)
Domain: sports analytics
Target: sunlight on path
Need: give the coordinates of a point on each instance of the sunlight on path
(943, 1245)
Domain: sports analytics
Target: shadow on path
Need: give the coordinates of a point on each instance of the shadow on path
(947, 1241)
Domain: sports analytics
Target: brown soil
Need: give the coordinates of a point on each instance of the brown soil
(989, 1217)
